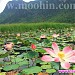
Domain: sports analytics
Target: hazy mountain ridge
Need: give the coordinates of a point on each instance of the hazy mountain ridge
(19, 14)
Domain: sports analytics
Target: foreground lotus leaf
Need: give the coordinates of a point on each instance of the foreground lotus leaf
(23, 63)
(4, 55)
(46, 66)
(32, 70)
(17, 59)
(50, 70)
(11, 67)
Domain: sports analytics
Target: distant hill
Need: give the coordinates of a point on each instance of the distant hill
(17, 12)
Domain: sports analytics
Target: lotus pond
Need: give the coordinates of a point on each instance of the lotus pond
(37, 52)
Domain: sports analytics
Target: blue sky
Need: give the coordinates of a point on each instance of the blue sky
(4, 2)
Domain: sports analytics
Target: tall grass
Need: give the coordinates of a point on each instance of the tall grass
(22, 27)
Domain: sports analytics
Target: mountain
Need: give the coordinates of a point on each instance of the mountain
(39, 11)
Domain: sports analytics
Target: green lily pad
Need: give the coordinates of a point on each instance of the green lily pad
(17, 59)
(38, 61)
(32, 70)
(1, 68)
(7, 63)
(2, 52)
(32, 40)
(44, 63)
(55, 65)
(24, 48)
(50, 70)
(4, 55)
(32, 54)
(23, 63)
(11, 67)
(46, 66)
(16, 53)
(1, 63)
(40, 50)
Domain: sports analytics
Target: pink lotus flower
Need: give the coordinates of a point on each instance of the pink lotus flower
(42, 36)
(65, 57)
(55, 35)
(18, 34)
(33, 46)
(9, 46)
